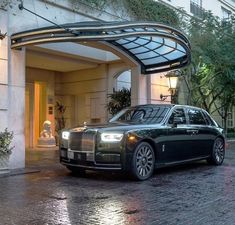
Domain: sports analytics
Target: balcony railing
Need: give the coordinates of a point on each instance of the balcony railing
(196, 10)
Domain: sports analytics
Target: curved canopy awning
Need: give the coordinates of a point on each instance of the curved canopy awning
(156, 47)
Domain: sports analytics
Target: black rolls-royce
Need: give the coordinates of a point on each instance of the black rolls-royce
(141, 138)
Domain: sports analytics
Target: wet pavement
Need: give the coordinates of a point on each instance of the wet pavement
(191, 194)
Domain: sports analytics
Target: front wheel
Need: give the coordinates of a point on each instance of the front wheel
(218, 152)
(143, 161)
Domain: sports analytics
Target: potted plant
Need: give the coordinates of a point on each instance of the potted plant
(60, 119)
(5, 150)
(118, 100)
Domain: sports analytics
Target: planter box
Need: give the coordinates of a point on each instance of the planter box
(4, 164)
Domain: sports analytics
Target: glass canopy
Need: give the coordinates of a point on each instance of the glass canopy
(155, 47)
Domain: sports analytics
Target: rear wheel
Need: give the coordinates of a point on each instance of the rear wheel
(143, 161)
(218, 152)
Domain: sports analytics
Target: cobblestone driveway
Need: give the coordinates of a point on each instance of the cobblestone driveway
(189, 194)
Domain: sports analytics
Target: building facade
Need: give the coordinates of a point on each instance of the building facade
(35, 80)
(220, 8)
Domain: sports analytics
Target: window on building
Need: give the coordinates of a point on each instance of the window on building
(225, 13)
(95, 110)
(123, 80)
(196, 8)
(197, 2)
(230, 118)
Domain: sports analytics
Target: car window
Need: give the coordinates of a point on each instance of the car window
(177, 115)
(196, 117)
(208, 118)
(146, 114)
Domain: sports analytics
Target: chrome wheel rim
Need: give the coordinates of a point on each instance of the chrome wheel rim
(219, 150)
(144, 161)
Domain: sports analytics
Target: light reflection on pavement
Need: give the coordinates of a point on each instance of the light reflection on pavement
(191, 194)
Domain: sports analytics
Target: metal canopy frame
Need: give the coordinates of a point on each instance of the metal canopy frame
(155, 47)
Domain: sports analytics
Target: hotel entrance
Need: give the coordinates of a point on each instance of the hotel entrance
(68, 89)
(79, 73)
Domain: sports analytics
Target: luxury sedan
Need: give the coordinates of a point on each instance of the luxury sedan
(142, 138)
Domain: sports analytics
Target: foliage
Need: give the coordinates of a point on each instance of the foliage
(5, 3)
(211, 77)
(99, 4)
(119, 100)
(5, 142)
(150, 10)
(153, 11)
(60, 119)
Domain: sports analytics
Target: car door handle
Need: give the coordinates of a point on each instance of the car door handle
(192, 132)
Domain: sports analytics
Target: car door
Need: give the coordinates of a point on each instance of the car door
(176, 146)
(201, 134)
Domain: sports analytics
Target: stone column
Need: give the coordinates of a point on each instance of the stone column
(140, 87)
(12, 94)
(3, 72)
(16, 105)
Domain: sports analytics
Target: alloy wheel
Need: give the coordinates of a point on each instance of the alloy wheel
(219, 150)
(144, 161)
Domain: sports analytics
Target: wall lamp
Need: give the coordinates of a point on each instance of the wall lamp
(172, 84)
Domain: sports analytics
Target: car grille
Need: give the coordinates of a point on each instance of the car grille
(82, 141)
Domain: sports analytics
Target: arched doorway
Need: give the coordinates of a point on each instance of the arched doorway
(123, 80)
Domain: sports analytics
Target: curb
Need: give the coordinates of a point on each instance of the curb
(16, 172)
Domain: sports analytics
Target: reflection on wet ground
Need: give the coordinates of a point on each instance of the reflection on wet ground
(191, 194)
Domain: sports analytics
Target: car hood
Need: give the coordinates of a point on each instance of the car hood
(113, 127)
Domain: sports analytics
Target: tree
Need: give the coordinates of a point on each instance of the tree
(211, 76)
(145, 10)
(151, 10)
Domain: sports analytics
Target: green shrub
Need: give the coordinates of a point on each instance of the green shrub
(5, 142)
(119, 100)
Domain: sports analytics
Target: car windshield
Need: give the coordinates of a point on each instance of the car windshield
(141, 114)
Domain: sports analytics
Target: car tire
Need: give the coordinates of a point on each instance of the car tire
(143, 161)
(76, 171)
(218, 152)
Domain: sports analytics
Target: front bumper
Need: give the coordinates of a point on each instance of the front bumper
(88, 160)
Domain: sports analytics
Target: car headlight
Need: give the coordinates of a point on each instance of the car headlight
(65, 135)
(111, 137)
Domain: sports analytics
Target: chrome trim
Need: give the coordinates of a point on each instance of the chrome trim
(77, 151)
(86, 144)
(101, 167)
(94, 38)
(111, 154)
(185, 161)
(96, 28)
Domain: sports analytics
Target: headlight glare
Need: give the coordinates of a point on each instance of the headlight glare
(65, 135)
(111, 137)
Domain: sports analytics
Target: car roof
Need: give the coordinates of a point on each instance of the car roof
(167, 105)
(153, 105)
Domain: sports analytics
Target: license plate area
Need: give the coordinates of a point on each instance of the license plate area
(76, 156)
(70, 155)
